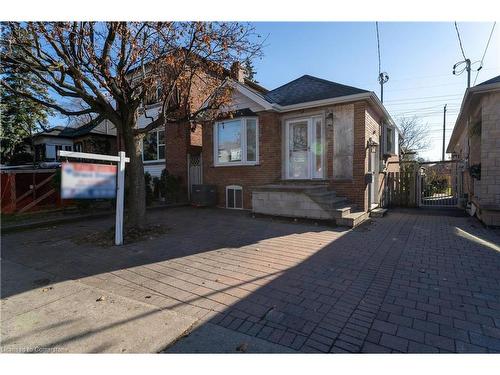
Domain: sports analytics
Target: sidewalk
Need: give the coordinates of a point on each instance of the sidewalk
(71, 317)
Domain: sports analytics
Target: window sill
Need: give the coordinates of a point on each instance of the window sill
(236, 165)
(342, 179)
(153, 161)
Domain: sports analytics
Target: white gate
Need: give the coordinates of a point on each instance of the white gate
(195, 173)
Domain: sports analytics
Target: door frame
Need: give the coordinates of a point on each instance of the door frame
(189, 181)
(373, 168)
(311, 135)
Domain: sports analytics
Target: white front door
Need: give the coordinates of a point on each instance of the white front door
(305, 148)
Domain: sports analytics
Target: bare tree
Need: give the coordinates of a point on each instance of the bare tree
(414, 137)
(112, 68)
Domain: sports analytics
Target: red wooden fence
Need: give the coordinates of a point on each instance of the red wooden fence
(28, 190)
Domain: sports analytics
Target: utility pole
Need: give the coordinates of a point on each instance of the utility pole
(467, 67)
(444, 128)
(382, 78)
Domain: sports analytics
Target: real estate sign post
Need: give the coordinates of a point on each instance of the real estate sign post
(89, 181)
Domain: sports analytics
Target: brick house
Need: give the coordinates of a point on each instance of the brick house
(310, 148)
(475, 142)
(175, 147)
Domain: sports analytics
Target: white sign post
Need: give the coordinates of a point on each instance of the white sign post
(120, 186)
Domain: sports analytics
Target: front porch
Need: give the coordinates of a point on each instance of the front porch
(306, 199)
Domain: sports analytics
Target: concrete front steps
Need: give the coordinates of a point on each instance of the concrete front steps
(306, 200)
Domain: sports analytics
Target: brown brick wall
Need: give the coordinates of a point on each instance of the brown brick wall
(176, 147)
(269, 169)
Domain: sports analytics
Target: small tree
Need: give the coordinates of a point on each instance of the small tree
(114, 68)
(414, 138)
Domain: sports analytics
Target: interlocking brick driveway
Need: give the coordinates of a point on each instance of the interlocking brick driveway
(408, 282)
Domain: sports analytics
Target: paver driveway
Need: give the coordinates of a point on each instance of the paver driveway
(408, 282)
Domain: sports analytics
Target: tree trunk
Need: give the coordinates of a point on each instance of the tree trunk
(136, 196)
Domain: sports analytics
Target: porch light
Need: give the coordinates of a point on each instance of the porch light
(372, 145)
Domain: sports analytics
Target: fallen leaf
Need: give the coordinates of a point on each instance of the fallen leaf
(243, 347)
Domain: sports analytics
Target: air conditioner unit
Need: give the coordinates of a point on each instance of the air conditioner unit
(204, 195)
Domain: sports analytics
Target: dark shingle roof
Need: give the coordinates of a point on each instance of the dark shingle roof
(68, 132)
(307, 89)
(490, 81)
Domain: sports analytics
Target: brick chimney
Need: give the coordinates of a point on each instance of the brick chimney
(237, 72)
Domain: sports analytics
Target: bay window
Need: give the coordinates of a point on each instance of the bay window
(236, 142)
(153, 146)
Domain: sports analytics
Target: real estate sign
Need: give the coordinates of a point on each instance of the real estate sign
(88, 181)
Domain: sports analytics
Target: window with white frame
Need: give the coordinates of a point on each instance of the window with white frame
(236, 142)
(153, 146)
(234, 197)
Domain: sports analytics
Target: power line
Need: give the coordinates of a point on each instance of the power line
(484, 54)
(423, 114)
(383, 77)
(466, 61)
(455, 100)
(460, 41)
(428, 86)
(426, 97)
(378, 48)
(413, 78)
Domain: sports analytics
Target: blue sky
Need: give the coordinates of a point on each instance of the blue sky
(417, 56)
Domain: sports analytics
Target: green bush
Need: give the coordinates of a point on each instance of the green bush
(169, 186)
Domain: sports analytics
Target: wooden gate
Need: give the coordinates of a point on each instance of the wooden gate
(401, 187)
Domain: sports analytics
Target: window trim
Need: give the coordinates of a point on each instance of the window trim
(234, 188)
(157, 131)
(392, 150)
(244, 151)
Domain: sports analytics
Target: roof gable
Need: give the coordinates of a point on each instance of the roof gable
(307, 89)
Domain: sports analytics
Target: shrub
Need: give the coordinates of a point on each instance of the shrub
(169, 186)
